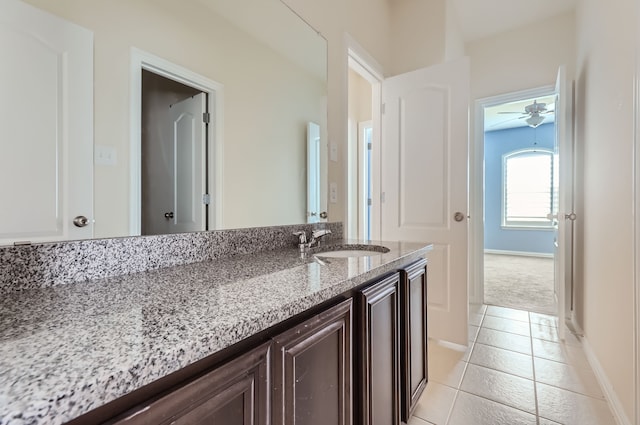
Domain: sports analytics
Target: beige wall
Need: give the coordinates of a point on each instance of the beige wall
(417, 34)
(264, 157)
(367, 21)
(514, 60)
(454, 41)
(604, 136)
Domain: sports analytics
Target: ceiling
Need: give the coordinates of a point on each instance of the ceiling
(494, 120)
(480, 19)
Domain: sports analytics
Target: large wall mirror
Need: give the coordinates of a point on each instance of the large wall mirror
(269, 72)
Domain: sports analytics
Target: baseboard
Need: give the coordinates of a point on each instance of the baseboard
(450, 345)
(609, 394)
(518, 253)
(574, 327)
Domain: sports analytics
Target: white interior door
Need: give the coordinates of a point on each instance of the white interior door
(313, 173)
(189, 164)
(563, 266)
(424, 182)
(46, 116)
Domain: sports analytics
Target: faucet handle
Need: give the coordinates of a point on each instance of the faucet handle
(302, 236)
(320, 233)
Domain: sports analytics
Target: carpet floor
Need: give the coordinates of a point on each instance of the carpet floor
(525, 283)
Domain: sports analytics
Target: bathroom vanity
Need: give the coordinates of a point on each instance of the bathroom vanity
(251, 336)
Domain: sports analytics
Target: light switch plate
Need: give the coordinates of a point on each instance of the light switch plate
(105, 155)
(333, 152)
(333, 193)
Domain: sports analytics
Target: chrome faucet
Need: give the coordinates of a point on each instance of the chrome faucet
(316, 236)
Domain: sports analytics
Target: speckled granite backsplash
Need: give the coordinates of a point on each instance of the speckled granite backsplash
(51, 264)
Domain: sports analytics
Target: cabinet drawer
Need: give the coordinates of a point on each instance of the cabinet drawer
(236, 393)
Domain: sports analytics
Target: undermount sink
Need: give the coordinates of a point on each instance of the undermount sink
(346, 251)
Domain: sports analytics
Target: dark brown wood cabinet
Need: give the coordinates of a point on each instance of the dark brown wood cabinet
(312, 370)
(379, 368)
(413, 342)
(236, 393)
(302, 371)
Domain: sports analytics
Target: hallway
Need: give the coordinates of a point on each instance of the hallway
(520, 282)
(514, 372)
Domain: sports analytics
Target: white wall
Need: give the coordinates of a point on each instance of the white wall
(604, 135)
(188, 34)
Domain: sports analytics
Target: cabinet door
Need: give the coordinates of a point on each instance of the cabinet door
(413, 345)
(379, 356)
(312, 370)
(237, 393)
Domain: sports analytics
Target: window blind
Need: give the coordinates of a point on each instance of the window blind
(528, 189)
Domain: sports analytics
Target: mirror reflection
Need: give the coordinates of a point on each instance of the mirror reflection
(250, 73)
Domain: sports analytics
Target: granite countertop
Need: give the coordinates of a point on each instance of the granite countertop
(68, 349)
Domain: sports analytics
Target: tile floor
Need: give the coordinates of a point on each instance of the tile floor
(515, 371)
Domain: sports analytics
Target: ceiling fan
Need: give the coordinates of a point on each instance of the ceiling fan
(533, 113)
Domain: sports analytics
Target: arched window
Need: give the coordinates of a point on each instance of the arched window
(528, 194)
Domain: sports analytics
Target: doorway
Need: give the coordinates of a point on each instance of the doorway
(359, 144)
(520, 195)
(174, 156)
(363, 148)
(205, 95)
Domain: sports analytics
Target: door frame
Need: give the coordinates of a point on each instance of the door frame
(636, 220)
(363, 173)
(141, 60)
(314, 172)
(476, 185)
(364, 64)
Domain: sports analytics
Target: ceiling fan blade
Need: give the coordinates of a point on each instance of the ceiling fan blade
(510, 112)
(504, 122)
